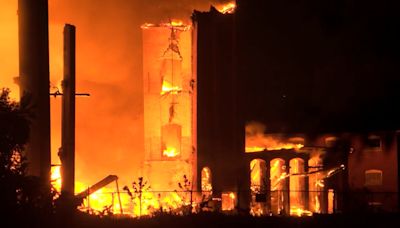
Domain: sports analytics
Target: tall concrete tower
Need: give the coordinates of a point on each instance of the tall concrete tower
(169, 105)
(34, 81)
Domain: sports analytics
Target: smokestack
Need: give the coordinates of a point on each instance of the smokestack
(68, 114)
(34, 81)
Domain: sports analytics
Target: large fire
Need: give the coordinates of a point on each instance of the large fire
(110, 200)
(276, 146)
(228, 8)
(258, 141)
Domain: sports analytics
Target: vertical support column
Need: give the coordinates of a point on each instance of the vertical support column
(287, 188)
(243, 185)
(67, 155)
(306, 187)
(268, 184)
(34, 81)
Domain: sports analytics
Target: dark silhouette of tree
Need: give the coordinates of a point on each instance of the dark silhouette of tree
(19, 193)
(186, 187)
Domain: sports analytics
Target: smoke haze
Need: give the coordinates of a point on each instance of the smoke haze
(109, 123)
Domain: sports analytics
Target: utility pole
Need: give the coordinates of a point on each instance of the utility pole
(67, 150)
(67, 153)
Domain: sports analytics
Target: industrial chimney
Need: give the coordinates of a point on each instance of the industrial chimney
(34, 81)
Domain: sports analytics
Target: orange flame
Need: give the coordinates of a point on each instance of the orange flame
(175, 23)
(168, 88)
(227, 8)
(296, 211)
(278, 146)
(107, 199)
(257, 140)
(170, 152)
(56, 177)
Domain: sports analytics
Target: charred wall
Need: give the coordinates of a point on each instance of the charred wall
(362, 153)
(220, 124)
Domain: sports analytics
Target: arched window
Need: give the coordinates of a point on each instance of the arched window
(171, 69)
(296, 185)
(278, 178)
(374, 142)
(315, 183)
(206, 181)
(171, 140)
(258, 183)
(228, 201)
(257, 175)
(373, 177)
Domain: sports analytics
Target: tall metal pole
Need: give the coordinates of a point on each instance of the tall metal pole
(34, 81)
(67, 154)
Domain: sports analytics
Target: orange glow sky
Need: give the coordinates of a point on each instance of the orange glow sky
(109, 123)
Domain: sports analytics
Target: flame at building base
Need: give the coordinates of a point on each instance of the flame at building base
(105, 201)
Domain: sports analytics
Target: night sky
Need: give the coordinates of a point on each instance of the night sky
(320, 66)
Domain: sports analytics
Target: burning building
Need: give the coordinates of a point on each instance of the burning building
(220, 120)
(194, 123)
(285, 173)
(194, 89)
(169, 104)
(187, 99)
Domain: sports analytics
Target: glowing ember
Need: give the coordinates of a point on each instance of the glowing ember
(228, 201)
(227, 8)
(296, 211)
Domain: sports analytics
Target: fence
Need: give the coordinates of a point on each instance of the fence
(260, 203)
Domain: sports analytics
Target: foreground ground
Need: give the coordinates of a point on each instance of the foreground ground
(213, 220)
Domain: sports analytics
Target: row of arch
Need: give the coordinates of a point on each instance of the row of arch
(280, 186)
(286, 184)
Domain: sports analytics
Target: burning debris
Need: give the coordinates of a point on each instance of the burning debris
(258, 141)
(137, 201)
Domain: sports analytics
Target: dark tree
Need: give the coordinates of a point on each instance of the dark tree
(19, 193)
(14, 132)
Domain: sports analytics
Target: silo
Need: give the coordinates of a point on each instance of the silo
(34, 81)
